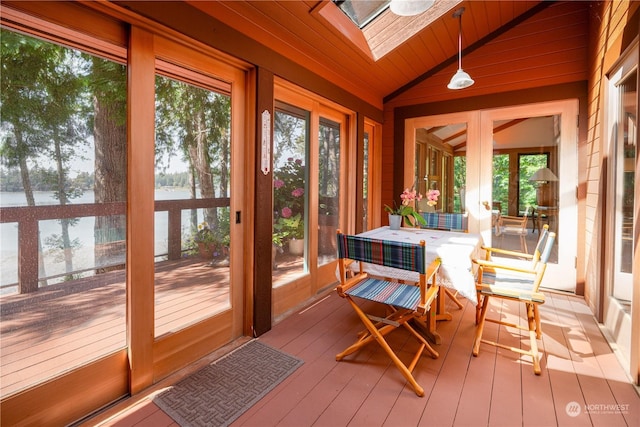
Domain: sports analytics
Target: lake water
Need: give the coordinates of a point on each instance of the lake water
(83, 231)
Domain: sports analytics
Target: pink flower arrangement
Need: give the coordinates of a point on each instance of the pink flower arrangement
(286, 212)
(409, 196)
(406, 210)
(432, 197)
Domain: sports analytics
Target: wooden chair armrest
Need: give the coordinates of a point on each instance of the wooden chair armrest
(431, 295)
(432, 292)
(496, 266)
(433, 269)
(507, 252)
(511, 220)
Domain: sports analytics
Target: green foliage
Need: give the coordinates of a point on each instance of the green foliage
(194, 123)
(56, 246)
(289, 174)
(501, 181)
(289, 228)
(459, 181)
(179, 179)
(528, 165)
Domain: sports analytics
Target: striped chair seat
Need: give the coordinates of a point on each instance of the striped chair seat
(391, 293)
(513, 285)
(446, 221)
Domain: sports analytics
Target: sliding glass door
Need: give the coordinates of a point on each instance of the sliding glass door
(309, 194)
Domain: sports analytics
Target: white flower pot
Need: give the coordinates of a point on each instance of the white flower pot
(296, 246)
(395, 221)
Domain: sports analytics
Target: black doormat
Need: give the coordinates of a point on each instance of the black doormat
(219, 393)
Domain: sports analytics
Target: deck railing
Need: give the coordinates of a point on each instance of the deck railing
(28, 217)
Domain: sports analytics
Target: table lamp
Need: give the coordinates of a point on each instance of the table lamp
(544, 195)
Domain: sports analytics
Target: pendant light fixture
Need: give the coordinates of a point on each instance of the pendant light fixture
(409, 7)
(460, 79)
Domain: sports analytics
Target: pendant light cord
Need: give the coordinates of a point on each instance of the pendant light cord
(460, 11)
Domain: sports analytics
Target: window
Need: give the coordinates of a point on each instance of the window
(362, 12)
(372, 27)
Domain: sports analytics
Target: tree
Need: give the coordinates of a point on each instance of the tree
(107, 83)
(195, 123)
(39, 94)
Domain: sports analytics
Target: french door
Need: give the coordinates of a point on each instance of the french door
(557, 121)
(470, 137)
(621, 298)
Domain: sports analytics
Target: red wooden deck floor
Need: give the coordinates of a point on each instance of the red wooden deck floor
(582, 383)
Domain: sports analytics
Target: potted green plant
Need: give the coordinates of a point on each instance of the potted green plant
(205, 240)
(291, 229)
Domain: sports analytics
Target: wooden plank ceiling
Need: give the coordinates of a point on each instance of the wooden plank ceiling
(300, 31)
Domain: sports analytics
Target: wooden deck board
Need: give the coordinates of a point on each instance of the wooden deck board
(65, 325)
(496, 388)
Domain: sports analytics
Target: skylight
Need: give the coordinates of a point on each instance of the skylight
(362, 12)
(373, 28)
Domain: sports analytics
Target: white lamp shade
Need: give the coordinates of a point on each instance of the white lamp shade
(409, 7)
(543, 174)
(460, 80)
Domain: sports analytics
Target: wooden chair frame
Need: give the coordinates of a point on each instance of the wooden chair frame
(392, 254)
(515, 282)
(527, 261)
(515, 226)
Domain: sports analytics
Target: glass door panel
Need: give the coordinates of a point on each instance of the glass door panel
(440, 164)
(625, 159)
(290, 193)
(192, 220)
(328, 189)
(621, 317)
(528, 146)
(64, 192)
(524, 146)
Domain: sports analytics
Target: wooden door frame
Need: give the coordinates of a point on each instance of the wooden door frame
(480, 173)
(574, 90)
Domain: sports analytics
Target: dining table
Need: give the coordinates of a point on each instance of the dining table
(456, 251)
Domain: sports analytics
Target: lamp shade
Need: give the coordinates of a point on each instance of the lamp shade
(460, 80)
(543, 174)
(409, 7)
